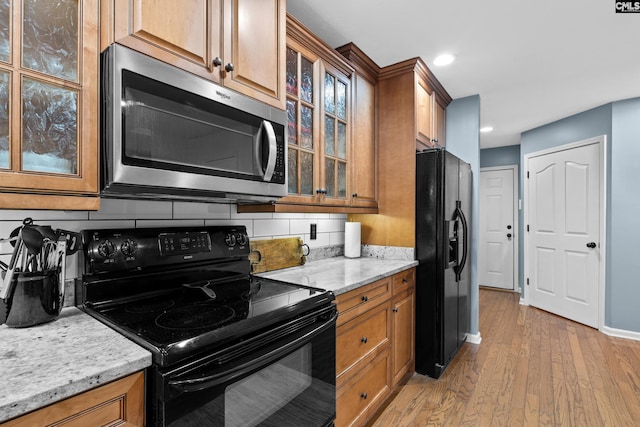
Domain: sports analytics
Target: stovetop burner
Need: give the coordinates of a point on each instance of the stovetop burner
(152, 307)
(195, 317)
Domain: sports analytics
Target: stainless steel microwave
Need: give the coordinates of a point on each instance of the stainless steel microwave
(169, 134)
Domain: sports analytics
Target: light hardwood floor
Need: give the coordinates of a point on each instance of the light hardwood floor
(532, 368)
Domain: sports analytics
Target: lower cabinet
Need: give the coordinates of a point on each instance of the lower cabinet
(374, 346)
(120, 403)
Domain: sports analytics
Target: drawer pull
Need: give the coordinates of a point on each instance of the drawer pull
(363, 395)
(404, 280)
(395, 309)
(364, 340)
(365, 298)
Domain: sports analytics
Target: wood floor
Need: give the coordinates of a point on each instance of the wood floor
(532, 368)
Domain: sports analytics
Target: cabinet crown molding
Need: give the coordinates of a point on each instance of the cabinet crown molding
(416, 65)
(302, 35)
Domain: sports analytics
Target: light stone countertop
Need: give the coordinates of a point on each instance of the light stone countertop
(43, 364)
(340, 274)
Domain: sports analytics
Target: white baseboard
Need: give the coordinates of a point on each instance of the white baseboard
(522, 301)
(621, 333)
(474, 338)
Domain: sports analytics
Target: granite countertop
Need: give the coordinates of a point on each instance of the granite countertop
(43, 364)
(340, 274)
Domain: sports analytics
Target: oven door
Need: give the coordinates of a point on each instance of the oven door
(287, 381)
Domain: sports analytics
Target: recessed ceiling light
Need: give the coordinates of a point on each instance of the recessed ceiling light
(486, 129)
(444, 59)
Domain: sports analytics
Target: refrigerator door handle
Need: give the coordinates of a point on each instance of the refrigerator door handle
(463, 261)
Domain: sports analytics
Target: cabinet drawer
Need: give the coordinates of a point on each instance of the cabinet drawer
(404, 280)
(117, 403)
(361, 396)
(360, 337)
(356, 302)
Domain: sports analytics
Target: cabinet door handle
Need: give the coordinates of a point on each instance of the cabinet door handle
(229, 67)
(216, 61)
(354, 195)
(363, 395)
(364, 340)
(404, 280)
(365, 298)
(395, 309)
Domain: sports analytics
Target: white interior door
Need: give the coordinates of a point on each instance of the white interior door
(563, 206)
(497, 229)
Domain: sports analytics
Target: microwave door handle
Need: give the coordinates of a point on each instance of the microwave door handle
(267, 128)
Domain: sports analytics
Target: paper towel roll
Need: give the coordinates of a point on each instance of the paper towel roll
(352, 239)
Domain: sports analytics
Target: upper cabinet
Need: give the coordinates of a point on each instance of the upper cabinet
(364, 130)
(236, 43)
(430, 115)
(411, 107)
(331, 130)
(49, 104)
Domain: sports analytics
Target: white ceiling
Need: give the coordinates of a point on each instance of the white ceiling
(531, 62)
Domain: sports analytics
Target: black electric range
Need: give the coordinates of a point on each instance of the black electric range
(181, 291)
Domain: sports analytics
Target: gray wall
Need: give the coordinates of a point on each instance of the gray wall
(620, 122)
(463, 140)
(623, 280)
(500, 156)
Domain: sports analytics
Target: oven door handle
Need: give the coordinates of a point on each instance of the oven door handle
(202, 383)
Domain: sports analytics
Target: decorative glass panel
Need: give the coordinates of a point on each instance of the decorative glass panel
(342, 140)
(5, 88)
(5, 30)
(342, 180)
(329, 138)
(306, 170)
(341, 99)
(306, 127)
(329, 93)
(292, 120)
(292, 72)
(49, 128)
(293, 171)
(330, 177)
(306, 83)
(50, 37)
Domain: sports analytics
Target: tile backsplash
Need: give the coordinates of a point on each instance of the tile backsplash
(123, 213)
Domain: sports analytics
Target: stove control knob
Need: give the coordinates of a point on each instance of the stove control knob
(106, 249)
(128, 248)
(241, 239)
(230, 240)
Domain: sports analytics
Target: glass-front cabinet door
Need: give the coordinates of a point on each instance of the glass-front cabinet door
(49, 102)
(302, 132)
(318, 129)
(334, 136)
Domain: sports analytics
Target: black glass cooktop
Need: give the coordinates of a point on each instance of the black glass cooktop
(204, 313)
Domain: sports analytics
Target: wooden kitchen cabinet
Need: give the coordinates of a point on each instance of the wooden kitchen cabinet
(364, 129)
(319, 91)
(374, 346)
(359, 398)
(403, 325)
(407, 92)
(49, 97)
(117, 403)
(236, 43)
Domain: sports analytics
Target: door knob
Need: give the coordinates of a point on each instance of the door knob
(591, 245)
(508, 235)
(508, 227)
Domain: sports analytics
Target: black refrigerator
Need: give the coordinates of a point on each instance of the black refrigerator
(443, 207)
